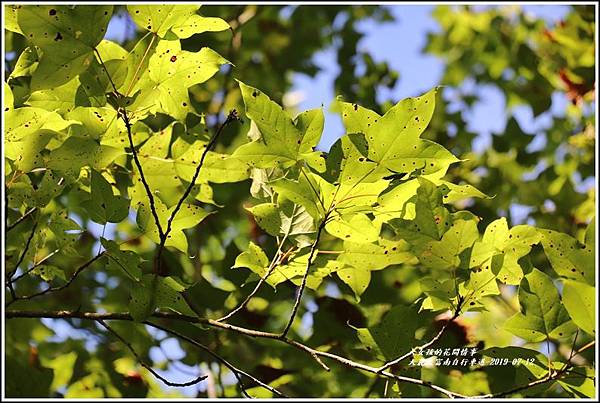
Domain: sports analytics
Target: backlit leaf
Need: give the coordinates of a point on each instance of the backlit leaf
(542, 314)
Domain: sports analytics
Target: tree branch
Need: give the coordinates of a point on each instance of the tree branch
(10, 274)
(54, 289)
(248, 332)
(233, 115)
(148, 367)
(123, 114)
(236, 371)
(429, 343)
(300, 291)
(21, 219)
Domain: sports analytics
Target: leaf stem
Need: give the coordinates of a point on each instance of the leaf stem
(36, 265)
(277, 259)
(131, 84)
(313, 189)
(106, 71)
(300, 290)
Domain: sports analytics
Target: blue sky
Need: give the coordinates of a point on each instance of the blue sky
(399, 43)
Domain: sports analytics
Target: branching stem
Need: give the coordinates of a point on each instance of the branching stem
(148, 367)
(233, 116)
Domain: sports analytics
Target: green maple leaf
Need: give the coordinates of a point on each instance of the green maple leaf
(181, 21)
(103, 206)
(394, 139)
(570, 258)
(282, 141)
(542, 314)
(65, 38)
(163, 87)
(507, 246)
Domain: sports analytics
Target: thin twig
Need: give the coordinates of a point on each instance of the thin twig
(426, 345)
(220, 379)
(300, 290)
(277, 259)
(106, 71)
(232, 116)
(9, 282)
(21, 219)
(314, 189)
(236, 371)
(122, 113)
(35, 266)
(125, 118)
(59, 288)
(572, 352)
(175, 363)
(148, 367)
(236, 329)
(23, 253)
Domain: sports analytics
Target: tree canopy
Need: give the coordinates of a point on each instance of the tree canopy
(172, 227)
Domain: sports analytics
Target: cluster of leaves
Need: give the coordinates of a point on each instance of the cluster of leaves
(532, 65)
(99, 134)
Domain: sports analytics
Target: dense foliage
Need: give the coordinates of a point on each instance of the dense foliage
(153, 188)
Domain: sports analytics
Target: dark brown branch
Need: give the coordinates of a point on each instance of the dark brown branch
(233, 115)
(248, 332)
(236, 371)
(106, 71)
(148, 367)
(122, 112)
(274, 263)
(552, 376)
(9, 282)
(300, 291)
(125, 118)
(59, 288)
